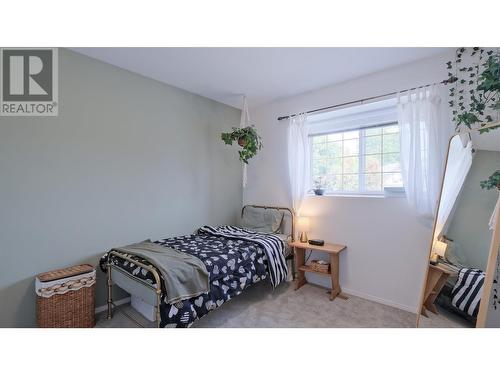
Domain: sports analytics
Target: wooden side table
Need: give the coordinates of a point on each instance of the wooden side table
(436, 278)
(333, 249)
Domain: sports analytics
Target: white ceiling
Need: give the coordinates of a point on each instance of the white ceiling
(263, 74)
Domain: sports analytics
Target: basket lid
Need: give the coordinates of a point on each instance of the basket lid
(65, 272)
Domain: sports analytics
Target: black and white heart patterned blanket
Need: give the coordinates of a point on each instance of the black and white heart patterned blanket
(272, 245)
(234, 265)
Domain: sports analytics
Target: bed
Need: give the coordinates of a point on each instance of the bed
(235, 258)
(462, 292)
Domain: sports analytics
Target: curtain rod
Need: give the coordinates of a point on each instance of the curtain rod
(450, 80)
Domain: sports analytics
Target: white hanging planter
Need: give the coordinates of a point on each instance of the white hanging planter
(244, 122)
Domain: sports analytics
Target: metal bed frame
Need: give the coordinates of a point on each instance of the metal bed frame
(157, 287)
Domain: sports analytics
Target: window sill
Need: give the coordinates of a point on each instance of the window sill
(388, 194)
(348, 195)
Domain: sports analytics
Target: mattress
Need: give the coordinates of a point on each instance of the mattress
(233, 265)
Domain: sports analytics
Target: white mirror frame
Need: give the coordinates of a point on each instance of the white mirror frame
(493, 253)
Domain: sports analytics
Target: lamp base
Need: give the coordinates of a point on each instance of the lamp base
(433, 259)
(303, 237)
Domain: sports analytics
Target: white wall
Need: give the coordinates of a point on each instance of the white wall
(387, 245)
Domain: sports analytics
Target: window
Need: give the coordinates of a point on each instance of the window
(362, 161)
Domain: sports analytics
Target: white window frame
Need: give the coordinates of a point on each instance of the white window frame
(387, 191)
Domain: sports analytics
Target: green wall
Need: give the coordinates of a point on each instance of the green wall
(128, 158)
(469, 226)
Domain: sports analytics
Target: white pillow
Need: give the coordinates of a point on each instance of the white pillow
(262, 220)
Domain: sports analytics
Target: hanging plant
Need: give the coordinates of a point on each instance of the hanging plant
(493, 182)
(475, 96)
(247, 139)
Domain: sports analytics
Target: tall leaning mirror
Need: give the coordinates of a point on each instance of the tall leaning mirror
(460, 280)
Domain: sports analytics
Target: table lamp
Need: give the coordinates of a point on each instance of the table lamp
(303, 226)
(438, 250)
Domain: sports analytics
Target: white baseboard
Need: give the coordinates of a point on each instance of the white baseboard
(123, 301)
(369, 297)
(380, 300)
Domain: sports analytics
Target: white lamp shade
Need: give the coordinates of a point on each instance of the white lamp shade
(439, 248)
(303, 223)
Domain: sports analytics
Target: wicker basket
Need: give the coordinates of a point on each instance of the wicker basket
(319, 267)
(65, 298)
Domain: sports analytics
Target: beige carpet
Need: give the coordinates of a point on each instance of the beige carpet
(261, 307)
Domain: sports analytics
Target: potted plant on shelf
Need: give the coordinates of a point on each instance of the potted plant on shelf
(247, 139)
(319, 187)
(493, 182)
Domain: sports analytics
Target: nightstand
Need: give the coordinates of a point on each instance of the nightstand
(436, 278)
(300, 258)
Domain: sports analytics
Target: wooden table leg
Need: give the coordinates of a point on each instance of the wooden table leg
(300, 258)
(424, 312)
(436, 278)
(429, 302)
(334, 265)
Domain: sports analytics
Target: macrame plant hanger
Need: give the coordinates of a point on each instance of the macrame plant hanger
(244, 122)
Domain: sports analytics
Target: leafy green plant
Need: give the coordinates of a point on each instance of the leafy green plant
(493, 182)
(247, 138)
(475, 96)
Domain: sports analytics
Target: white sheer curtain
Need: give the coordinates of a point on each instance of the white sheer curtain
(458, 166)
(425, 128)
(298, 160)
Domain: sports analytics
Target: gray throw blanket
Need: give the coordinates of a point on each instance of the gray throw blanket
(185, 276)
